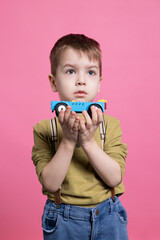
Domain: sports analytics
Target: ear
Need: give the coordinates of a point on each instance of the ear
(99, 83)
(52, 82)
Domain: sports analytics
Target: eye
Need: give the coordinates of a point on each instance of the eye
(91, 72)
(70, 71)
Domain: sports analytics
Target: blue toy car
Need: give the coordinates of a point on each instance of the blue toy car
(77, 107)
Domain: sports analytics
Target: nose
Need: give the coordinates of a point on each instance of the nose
(81, 80)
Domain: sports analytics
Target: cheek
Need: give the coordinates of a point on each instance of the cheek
(94, 87)
(62, 85)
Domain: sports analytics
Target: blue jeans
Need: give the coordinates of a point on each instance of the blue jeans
(108, 220)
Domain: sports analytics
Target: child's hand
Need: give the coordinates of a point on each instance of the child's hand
(87, 130)
(70, 124)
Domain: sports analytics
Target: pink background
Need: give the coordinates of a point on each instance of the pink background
(129, 34)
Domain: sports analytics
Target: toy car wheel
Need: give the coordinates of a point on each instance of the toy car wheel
(59, 107)
(95, 105)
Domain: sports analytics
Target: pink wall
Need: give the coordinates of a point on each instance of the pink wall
(129, 33)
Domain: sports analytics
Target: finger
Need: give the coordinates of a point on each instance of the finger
(67, 113)
(82, 125)
(87, 119)
(76, 125)
(94, 115)
(99, 115)
(61, 117)
(71, 119)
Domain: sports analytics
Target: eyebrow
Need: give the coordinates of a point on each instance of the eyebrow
(75, 66)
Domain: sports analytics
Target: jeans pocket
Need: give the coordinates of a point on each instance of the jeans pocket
(121, 213)
(49, 222)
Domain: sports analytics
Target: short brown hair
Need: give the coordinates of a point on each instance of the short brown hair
(79, 42)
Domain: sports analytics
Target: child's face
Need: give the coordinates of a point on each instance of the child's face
(77, 78)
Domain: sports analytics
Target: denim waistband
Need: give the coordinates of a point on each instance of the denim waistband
(82, 213)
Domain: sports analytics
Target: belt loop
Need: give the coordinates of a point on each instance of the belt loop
(66, 212)
(92, 215)
(110, 205)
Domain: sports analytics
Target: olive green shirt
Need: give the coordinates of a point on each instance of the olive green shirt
(82, 186)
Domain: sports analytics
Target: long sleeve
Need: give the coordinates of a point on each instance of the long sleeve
(113, 144)
(42, 149)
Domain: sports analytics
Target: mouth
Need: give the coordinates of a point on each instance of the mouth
(80, 93)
